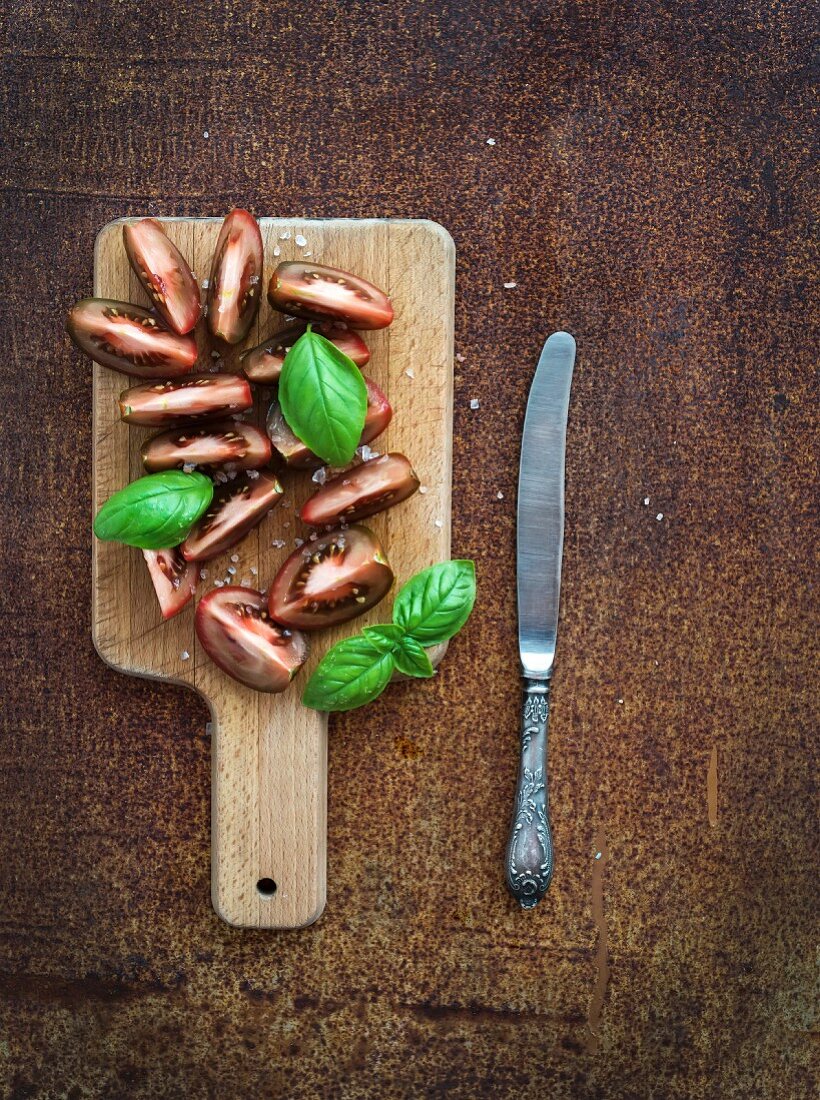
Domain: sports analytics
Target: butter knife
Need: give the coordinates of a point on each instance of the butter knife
(540, 540)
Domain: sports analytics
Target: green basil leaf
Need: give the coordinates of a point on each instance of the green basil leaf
(436, 603)
(351, 674)
(156, 511)
(411, 659)
(385, 637)
(323, 398)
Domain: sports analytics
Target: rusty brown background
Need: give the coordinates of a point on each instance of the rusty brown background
(648, 189)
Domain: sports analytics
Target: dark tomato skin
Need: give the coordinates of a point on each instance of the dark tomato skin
(230, 443)
(263, 364)
(235, 630)
(294, 452)
(377, 484)
(336, 577)
(174, 579)
(164, 273)
(235, 285)
(236, 508)
(319, 293)
(196, 397)
(130, 339)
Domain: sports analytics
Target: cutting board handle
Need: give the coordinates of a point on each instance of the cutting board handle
(269, 804)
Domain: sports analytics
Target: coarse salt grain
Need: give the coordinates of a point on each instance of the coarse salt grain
(499, 495)
(253, 474)
(475, 403)
(510, 285)
(189, 467)
(205, 134)
(205, 284)
(439, 523)
(320, 475)
(234, 557)
(185, 655)
(232, 570)
(460, 358)
(490, 141)
(214, 354)
(277, 251)
(300, 240)
(659, 516)
(285, 236)
(646, 500)
(298, 542)
(423, 489)
(364, 452)
(306, 254)
(218, 584)
(254, 571)
(278, 543)
(203, 573)
(621, 702)
(410, 372)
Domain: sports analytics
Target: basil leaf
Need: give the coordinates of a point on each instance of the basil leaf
(323, 398)
(384, 638)
(351, 674)
(411, 659)
(436, 603)
(156, 511)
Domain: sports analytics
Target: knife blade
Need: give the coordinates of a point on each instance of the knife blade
(529, 860)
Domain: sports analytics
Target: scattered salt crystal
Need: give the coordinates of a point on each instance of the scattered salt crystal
(659, 516)
(646, 500)
(314, 537)
(439, 523)
(491, 141)
(254, 571)
(205, 284)
(234, 557)
(206, 134)
(253, 474)
(423, 489)
(185, 655)
(460, 358)
(410, 372)
(232, 570)
(218, 584)
(277, 251)
(278, 543)
(364, 452)
(285, 502)
(286, 523)
(598, 855)
(285, 236)
(214, 369)
(320, 475)
(203, 573)
(189, 467)
(307, 254)
(499, 495)
(475, 403)
(621, 702)
(254, 279)
(214, 354)
(510, 285)
(245, 582)
(300, 240)
(298, 542)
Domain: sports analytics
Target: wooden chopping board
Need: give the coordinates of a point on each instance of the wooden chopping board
(269, 753)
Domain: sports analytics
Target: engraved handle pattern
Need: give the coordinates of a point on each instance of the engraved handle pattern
(529, 850)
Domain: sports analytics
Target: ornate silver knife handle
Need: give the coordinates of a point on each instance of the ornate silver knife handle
(529, 850)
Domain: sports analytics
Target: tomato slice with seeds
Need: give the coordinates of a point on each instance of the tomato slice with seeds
(234, 288)
(164, 273)
(263, 364)
(174, 579)
(332, 579)
(319, 293)
(236, 508)
(377, 484)
(294, 452)
(197, 397)
(129, 339)
(235, 630)
(230, 443)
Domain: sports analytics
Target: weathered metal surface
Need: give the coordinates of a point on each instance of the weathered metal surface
(649, 191)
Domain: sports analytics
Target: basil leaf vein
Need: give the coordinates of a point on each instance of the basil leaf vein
(412, 660)
(156, 511)
(351, 674)
(436, 603)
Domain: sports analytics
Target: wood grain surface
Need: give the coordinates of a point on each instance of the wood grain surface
(650, 190)
(269, 754)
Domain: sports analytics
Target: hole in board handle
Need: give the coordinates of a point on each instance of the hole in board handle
(266, 887)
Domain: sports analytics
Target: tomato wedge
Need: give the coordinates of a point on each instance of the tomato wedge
(334, 578)
(163, 271)
(319, 293)
(263, 365)
(129, 339)
(173, 577)
(197, 397)
(236, 508)
(229, 443)
(235, 630)
(234, 287)
(363, 491)
(295, 453)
